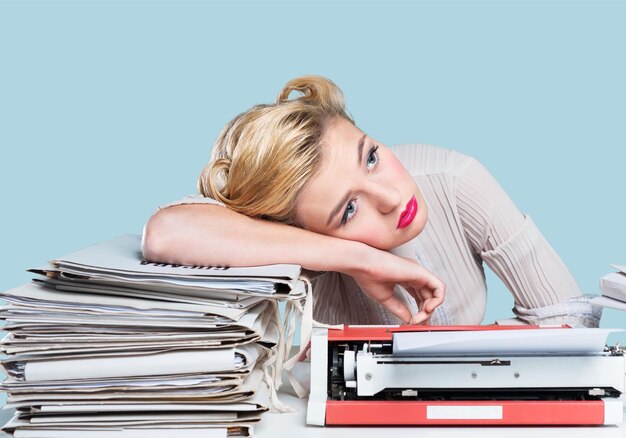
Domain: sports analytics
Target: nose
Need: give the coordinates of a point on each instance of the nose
(386, 197)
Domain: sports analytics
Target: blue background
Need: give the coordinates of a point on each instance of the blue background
(108, 109)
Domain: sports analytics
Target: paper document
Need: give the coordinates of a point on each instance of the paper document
(40, 296)
(609, 302)
(614, 286)
(106, 344)
(502, 342)
(123, 255)
(178, 362)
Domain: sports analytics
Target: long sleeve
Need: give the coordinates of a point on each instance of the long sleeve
(337, 299)
(513, 247)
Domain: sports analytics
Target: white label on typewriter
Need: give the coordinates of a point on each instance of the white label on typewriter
(464, 412)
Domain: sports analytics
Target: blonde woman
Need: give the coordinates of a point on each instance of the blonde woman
(388, 229)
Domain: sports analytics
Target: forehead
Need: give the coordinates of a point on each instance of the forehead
(339, 146)
(335, 176)
(340, 154)
(341, 132)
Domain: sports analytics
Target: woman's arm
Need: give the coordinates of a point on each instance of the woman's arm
(205, 234)
(512, 246)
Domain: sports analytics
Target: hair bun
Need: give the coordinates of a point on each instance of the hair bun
(212, 181)
(316, 90)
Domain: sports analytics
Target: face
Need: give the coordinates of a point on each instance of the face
(361, 192)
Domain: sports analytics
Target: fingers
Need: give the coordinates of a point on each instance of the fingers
(384, 296)
(398, 308)
(437, 299)
(438, 288)
(430, 304)
(431, 293)
(420, 317)
(427, 301)
(433, 286)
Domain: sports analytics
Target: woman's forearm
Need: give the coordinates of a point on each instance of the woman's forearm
(211, 235)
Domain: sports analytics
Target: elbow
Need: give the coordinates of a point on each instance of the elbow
(154, 237)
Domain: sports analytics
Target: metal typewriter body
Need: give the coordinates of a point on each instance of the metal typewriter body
(357, 378)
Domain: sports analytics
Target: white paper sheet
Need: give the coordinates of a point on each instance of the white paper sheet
(155, 291)
(123, 433)
(609, 302)
(117, 419)
(244, 285)
(145, 365)
(167, 407)
(613, 285)
(32, 293)
(250, 391)
(502, 342)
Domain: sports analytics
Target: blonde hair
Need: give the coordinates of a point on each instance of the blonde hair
(264, 157)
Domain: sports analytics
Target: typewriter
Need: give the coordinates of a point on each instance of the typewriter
(465, 375)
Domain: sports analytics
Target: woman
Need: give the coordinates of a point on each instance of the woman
(302, 184)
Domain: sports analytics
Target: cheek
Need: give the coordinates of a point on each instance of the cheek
(395, 167)
(372, 233)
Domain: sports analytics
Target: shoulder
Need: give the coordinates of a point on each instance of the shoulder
(425, 159)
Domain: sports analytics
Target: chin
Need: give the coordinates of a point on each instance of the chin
(402, 241)
(393, 242)
(412, 231)
(385, 244)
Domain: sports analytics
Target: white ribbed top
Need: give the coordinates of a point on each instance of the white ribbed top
(471, 221)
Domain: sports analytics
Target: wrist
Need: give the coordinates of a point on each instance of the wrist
(357, 258)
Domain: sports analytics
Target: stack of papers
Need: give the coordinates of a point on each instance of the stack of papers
(613, 288)
(105, 344)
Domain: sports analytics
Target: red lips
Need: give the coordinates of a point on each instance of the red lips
(407, 216)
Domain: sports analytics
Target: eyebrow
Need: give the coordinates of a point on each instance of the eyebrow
(346, 197)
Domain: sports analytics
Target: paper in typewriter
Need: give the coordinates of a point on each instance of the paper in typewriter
(518, 341)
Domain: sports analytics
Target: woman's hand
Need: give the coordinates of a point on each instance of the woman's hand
(381, 271)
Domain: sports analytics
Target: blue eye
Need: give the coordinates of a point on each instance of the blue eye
(349, 212)
(372, 157)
